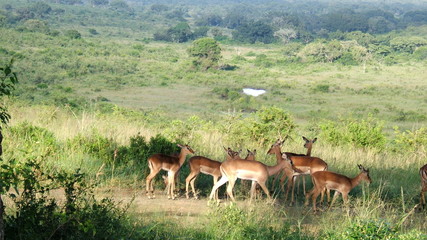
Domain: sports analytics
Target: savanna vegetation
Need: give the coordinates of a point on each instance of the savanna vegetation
(91, 88)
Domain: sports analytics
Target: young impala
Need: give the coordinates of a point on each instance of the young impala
(199, 164)
(255, 171)
(171, 164)
(341, 184)
(303, 165)
(423, 173)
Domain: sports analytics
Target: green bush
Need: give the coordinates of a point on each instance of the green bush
(411, 140)
(73, 34)
(138, 151)
(205, 52)
(263, 126)
(370, 230)
(362, 133)
(420, 53)
(36, 215)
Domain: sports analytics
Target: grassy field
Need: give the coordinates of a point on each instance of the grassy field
(79, 100)
(387, 205)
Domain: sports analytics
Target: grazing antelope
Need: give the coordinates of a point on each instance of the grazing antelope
(171, 164)
(423, 173)
(248, 170)
(341, 184)
(303, 165)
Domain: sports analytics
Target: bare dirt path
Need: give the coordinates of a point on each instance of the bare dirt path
(181, 209)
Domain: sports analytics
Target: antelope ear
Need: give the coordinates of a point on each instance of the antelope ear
(254, 151)
(248, 150)
(314, 140)
(360, 166)
(179, 145)
(305, 139)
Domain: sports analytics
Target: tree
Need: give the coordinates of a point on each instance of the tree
(209, 20)
(285, 34)
(407, 44)
(180, 32)
(99, 2)
(254, 32)
(206, 53)
(8, 80)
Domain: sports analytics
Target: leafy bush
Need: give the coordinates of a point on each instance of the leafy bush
(263, 126)
(186, 131)
(139, 150)
(206, 53)
(73, 34)
(370, 230)
(421, 53)
(321, 88)
(38, 216)
(362, 133)
(411, 140)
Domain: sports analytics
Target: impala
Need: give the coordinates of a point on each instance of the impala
(199, 164)
(171, 164)
(333, 181)
(248, 170)
(423, 173)
(303, 165)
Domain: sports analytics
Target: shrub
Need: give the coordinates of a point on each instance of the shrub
(370, 230)
(362, 133)
(38, 216)
(186, 131)
(411, 140)
(263, 126)
(138, 151)
(73, 34)
(206, 53)
(421, 53)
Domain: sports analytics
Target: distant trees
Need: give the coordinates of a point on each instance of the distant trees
(345, 21)
(99, 2)
(180, 33)
(345, 52)
(205, 52)
(254, 32)
(407, 44)
(415, 17)
(286, 34)
(209, 20)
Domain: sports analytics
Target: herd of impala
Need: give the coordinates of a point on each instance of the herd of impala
(289, 164)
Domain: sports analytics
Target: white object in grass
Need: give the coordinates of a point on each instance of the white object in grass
(253, 92)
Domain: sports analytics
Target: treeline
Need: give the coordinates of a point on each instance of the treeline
(252, 22)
